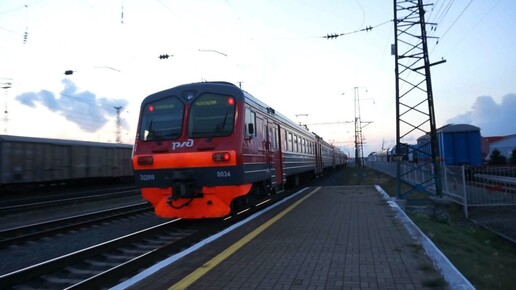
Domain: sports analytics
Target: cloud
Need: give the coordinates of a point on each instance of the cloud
(30, 99)
(82, 108)
(492, 118)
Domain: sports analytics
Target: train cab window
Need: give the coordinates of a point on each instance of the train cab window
(250, 123)
(162, 119)
(211, 115)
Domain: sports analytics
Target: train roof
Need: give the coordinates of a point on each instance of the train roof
(185, 90)
(458, 128)
(230, 87)
(285, 120)
(267, 109)
(244, 95)
(452, 128)
(25, 139)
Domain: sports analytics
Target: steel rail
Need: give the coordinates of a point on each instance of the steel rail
(37, 230)
(49, 203)
(52, 265)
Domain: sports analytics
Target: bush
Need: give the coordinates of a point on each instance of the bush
(496, 158)
(512, 159)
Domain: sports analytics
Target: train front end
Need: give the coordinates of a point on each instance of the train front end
(187, 151)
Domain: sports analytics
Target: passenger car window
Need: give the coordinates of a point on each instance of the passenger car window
(250, 122)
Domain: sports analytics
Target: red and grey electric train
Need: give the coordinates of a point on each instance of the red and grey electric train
(203, 149)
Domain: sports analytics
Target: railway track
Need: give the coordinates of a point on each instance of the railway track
(17, 235)
(107, 263)
(110, 261)
(24, 204)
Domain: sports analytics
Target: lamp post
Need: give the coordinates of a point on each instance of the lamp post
(6, 86)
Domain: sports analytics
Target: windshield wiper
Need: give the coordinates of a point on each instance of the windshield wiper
(220, 129)
(153, 135)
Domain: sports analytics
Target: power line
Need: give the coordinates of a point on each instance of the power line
(486, 13)
(331, 123)
(439, 39)
(96, 103)
(456, 19)
(446, 10)
(366, 29)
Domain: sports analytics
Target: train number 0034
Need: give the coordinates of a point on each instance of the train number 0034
(223, 174)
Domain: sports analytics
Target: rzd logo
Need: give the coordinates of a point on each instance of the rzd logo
(187, 143)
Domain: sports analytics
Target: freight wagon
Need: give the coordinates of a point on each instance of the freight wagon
(28, 160)
(458, 144)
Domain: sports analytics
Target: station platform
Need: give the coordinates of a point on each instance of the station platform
(336, 237)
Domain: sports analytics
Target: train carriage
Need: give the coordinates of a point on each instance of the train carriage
(30, 161)
(203, 148)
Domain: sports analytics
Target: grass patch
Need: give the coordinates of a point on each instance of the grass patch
(485, 259)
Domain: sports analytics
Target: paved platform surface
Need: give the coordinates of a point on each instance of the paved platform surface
(337, 237)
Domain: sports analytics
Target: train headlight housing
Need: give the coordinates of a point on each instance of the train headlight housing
(221, 156)
(145, 160)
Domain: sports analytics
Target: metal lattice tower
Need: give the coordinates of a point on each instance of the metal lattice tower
(359, 149)
(118, 124)
(414, 98)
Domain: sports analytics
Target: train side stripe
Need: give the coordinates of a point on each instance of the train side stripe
(185, 160)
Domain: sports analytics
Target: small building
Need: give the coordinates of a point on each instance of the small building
(486, 145)
(505, 144)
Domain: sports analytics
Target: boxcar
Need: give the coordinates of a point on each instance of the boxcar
(28, 160)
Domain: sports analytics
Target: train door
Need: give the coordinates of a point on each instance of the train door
(318, 157)
(273, 152)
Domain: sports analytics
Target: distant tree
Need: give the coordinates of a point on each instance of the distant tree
(496, 158)
(512, 160)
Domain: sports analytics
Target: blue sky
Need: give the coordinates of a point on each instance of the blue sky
(274, 48)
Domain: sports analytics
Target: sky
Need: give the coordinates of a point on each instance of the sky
(274, 49)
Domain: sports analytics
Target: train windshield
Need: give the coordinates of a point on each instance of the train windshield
(162, 119)
(211, 115)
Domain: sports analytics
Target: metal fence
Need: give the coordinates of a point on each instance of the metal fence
(468, 186)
